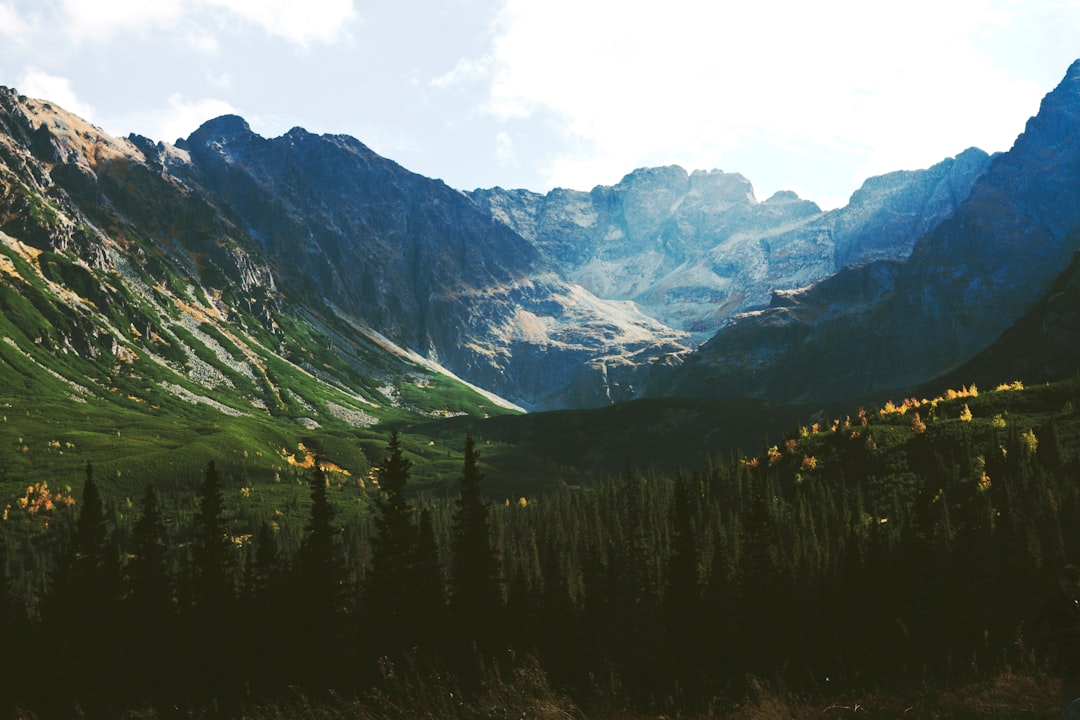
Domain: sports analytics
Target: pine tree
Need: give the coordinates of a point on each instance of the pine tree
(427, 590)
(386, 591)
(82, 607)
(475, 595)
(269, 653)
(9, 625)
(214, 586)
(260, 568)
(321, 576)
(764, 592)
(150, 609)
(7, 597)
(560, 640)
(682, 601)
(213, 623)
(86, 555)
(319, 556)
(150, 591)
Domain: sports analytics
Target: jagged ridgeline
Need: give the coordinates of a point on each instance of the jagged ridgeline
(898, 323)
(258, 301)
(140, 326)
(281, 297)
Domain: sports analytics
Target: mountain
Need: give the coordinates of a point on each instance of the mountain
(896, 323)
(1043, 345)
(298, 294)
(691, 250)
(414, 259)
(141, 328)
(322, 226)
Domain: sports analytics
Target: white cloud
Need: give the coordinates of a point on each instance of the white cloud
(222, 80)
(467, 70)
(12, 26)
(303, 23)
(202, 42)
(504, 149)
(43, 86)
(100, 20)
(178, 119)
(635, 82)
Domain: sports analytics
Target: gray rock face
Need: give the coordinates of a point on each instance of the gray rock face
(318, 226)
(890, 212)
(1042, 346)
(964, 283)
(578, 299)
(694, 250)
(418, 262)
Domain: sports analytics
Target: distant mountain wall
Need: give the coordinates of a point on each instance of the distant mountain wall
(694, 250)
(892, 324)
(557, 300)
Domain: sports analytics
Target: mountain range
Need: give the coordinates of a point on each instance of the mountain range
(694, 250)
(893, 324)
(304, 283)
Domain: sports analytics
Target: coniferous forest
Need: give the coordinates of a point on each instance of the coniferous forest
(894, 550)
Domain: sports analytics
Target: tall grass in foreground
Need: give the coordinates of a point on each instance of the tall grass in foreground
(410, 694)
(1006, 696)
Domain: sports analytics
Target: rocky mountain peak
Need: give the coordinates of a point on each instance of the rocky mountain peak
(672, 177)
(694, 250)
(226, 135)
(224, 127)
(1059, 113)
(783, 196)
(717, 186)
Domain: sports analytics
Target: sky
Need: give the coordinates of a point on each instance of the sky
(813, 97)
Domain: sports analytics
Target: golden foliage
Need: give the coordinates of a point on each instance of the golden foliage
(1031, 443)
(774, 455)
(917, 425)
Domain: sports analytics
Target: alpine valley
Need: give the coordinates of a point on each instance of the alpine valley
(260, 301)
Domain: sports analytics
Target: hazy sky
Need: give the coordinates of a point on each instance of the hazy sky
(808, 96)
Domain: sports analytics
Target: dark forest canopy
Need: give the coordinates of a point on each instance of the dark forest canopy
(887, 549)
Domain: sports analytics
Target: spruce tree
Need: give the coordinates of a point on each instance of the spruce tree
(150, 591)
(213, 627)
(270, 654)
(321, 577)
(212, 552)
(82, 607)
(427, 589)
(9, 626)
(86, 555)
(475, 595)
(682, 602)
(393, 551)
(150, 618)
(319, 556)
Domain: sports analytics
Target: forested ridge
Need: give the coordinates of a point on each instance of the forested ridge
(899, 547)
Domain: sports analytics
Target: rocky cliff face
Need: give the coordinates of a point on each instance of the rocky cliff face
(417, 261)
(321, 226)
(693, 250)
(123, 286)
(569, 299)
(964, 283)
(1042, 346)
